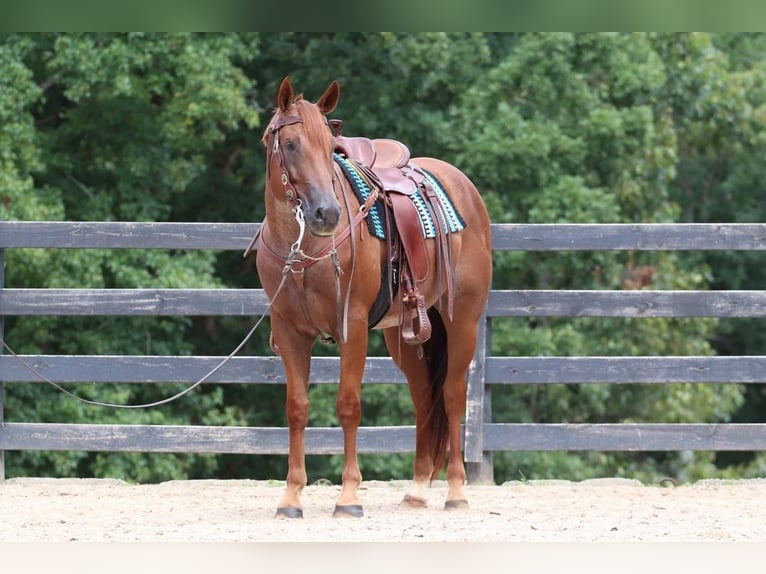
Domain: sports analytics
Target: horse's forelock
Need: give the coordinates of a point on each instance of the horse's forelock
(314, 122)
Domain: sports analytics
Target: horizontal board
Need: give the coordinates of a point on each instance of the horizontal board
(324, 370)
(261, 440)
(170, 369)
(628, 236)
(624, 436)
(126, 235)
(629, 303)
(575, 370)
(505, 236)
(509, 303)
(133, 302)
(196, 439)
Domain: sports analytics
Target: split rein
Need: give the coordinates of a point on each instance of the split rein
(295, 254)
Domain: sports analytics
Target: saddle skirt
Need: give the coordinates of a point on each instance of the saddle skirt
(413, 207)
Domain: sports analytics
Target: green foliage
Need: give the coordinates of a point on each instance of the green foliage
(721, 106)
(552, 127)
(113, 127)
(578, 128)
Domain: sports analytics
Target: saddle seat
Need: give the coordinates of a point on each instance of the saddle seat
(388, 166)
(379, 153)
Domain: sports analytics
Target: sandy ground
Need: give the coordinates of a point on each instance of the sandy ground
(97, 510)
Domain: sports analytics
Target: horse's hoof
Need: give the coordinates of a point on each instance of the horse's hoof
(289, 512)
(410, 501)
(348, 511)
(456, 505)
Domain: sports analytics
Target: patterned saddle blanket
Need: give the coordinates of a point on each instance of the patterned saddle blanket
(448, 217)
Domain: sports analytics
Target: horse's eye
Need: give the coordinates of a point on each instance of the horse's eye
(290, 146)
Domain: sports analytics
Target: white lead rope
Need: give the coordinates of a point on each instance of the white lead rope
(141, 406)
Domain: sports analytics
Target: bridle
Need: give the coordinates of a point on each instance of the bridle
(275, 150)
(297, 260)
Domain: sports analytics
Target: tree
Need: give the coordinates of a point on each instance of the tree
(716, 90)
(112, 127)
(573, 128)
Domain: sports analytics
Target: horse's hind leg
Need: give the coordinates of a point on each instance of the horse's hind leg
(416, 370)
(438, 392)
(462, 337)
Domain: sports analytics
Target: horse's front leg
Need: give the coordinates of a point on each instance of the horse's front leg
(353, 355)
(295, 351)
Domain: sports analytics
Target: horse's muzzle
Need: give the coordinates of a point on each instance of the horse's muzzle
(322, 219)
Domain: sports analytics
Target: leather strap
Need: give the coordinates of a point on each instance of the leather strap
(408, 223)
(275, 151)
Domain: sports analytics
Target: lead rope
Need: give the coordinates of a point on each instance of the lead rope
(295, 250)
(178, 395)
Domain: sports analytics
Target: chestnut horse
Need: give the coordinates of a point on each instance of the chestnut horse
(325, 282)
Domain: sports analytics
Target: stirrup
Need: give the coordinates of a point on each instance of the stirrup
(414, 300)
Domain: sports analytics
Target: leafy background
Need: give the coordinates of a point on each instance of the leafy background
(552, 127)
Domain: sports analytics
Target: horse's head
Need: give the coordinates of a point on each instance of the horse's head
(299, 156)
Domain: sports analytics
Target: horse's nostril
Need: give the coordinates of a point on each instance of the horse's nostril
(327, 215)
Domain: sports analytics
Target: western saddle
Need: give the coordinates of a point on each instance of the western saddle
(387, 166)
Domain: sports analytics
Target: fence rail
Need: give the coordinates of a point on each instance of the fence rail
(324, 370)
(564, 303)
(482, 437)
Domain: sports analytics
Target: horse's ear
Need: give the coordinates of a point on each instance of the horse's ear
(286, 95)
(329, 99)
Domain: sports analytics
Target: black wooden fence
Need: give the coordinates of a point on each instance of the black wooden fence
(482, 437)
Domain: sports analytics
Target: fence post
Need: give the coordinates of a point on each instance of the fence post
(479, 463)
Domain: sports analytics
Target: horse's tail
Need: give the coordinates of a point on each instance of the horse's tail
(435, 350)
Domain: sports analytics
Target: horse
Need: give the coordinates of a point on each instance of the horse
(324, 283)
